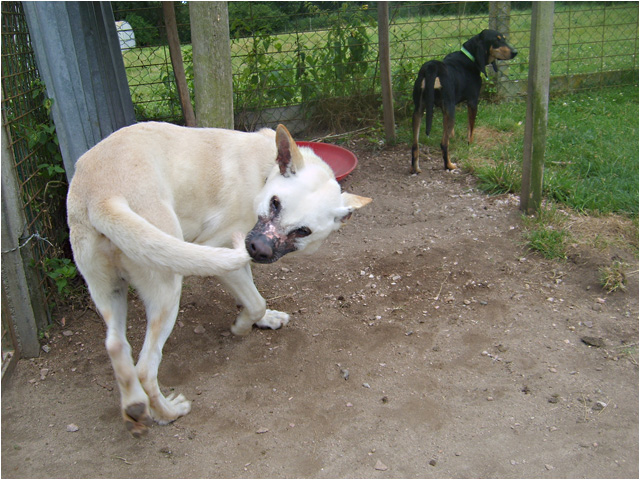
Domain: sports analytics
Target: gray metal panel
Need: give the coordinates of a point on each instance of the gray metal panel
(79, 59)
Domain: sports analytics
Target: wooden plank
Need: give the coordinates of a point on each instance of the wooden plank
(177, 64)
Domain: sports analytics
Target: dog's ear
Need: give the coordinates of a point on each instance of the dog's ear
(289, 158)
(350, 203)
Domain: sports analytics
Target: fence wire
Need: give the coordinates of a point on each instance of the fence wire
(41, 179)
(317, 64)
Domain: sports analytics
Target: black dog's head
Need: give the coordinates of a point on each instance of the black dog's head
(487, 47)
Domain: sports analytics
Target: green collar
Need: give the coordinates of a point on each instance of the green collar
(472, 58)
(466, 52)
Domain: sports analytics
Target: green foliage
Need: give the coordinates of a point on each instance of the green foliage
(338, 69)
(255, 18)
(61, 271)
(146, 33)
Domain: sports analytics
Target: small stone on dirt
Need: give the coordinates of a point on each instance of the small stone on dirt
(260, 431)
(381, 466)
(67, 333)
(597, 342)
(599, 406)
(199, 329)
(72, 427)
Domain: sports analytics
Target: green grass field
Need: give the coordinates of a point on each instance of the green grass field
(591, 161)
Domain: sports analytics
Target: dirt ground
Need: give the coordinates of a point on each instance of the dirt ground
(425, 342)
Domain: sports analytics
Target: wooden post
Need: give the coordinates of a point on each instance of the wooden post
(385, 72)
(26, 304)
(176, 61)
(212, 80)
(537, 106)
(500, 20)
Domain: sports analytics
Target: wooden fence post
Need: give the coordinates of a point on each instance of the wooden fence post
(212, 80)
(176, 61)
(385, 72)
(500, 20)
(25, 301)
(537, 106)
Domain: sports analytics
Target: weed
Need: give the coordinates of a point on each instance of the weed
(61, 271)
(613, 277)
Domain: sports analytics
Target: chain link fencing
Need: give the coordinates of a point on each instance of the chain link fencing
(316, 65)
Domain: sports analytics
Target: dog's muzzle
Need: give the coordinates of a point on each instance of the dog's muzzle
(265, 245)
(259, 248)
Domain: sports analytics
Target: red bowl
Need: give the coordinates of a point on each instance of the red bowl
(341, 160)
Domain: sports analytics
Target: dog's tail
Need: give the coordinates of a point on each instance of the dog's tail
(428, 94)
(146, 244)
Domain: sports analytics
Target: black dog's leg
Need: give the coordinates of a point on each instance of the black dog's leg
(471, 111)
(447, 132)
(415, 148)
(418, 112)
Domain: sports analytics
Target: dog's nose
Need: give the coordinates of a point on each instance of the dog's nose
(259, 248)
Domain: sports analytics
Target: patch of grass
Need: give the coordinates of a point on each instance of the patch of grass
(545, 233)
(501, 177)
(591, 158)
(592, 151)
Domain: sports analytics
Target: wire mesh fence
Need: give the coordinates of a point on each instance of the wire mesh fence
(317, 64)
(32, 142)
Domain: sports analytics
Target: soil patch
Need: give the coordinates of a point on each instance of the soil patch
(425, 342)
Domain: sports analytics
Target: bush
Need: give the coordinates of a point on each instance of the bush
(146, 34)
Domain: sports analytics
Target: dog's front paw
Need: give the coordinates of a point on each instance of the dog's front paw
(273, 319)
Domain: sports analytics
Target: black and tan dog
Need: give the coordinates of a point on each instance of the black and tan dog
(454, 80)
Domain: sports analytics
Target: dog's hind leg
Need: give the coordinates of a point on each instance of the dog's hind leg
(160, 292)
(447, 132)
(471, 115)
(95, 256)
(415, 148)
(254, 311)
(418, 112)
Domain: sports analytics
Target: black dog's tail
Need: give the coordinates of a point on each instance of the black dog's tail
(424, 91)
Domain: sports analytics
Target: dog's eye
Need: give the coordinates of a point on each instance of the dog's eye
(302, 232)
(275, 205)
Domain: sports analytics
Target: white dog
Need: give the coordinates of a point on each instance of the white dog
(154, 202)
